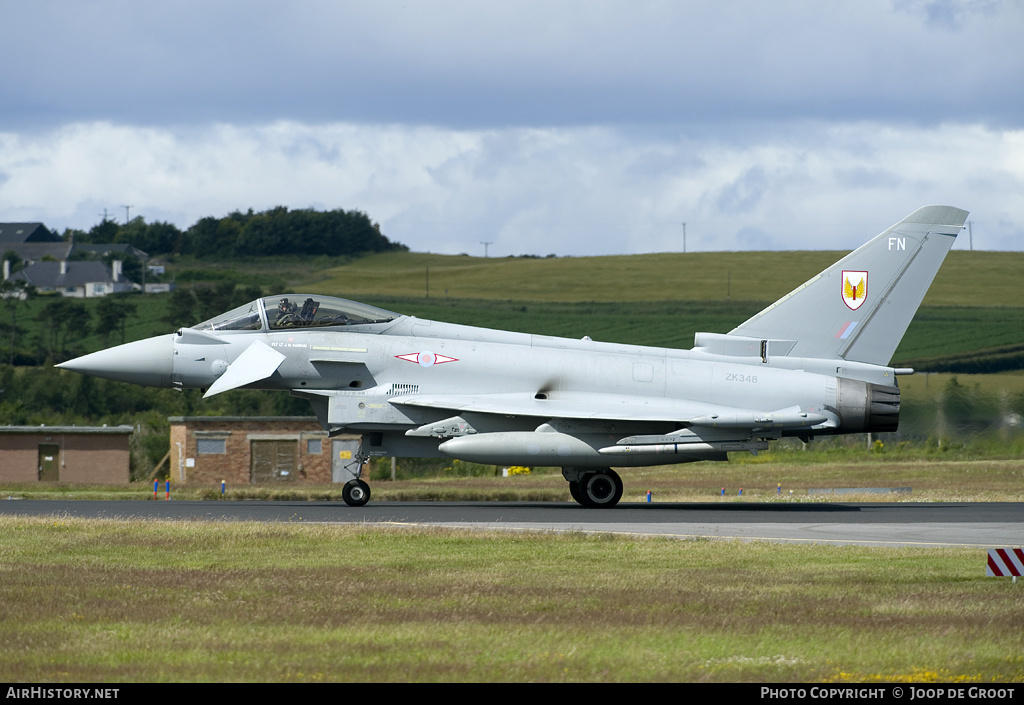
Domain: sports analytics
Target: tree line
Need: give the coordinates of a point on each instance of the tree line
(278, 231)
(38, 331)
(47, 329)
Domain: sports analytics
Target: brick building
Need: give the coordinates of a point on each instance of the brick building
(243, 450)
(88, 454)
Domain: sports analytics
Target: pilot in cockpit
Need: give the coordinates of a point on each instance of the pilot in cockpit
(285, 307)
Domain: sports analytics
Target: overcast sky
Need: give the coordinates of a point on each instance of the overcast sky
(572, 128)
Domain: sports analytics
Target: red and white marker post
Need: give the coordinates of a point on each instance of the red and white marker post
(1005, 562)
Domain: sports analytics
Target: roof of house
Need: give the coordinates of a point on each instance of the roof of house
(35, 251)
(17, 233)
(47, 275)
(123, 429)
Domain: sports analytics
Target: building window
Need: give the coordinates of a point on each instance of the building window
(313, 446)
(211, 446)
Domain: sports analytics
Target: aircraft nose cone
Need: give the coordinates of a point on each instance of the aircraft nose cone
(147, 362)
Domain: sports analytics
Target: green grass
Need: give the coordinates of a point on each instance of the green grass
(966, 278)
(954, 473)
(129, 601)
(956, 332)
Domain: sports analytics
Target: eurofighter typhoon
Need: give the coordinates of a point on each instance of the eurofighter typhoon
(816, 362)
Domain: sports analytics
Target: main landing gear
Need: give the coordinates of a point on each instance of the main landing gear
(599, 488)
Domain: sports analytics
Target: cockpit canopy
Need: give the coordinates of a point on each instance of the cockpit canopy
(297, 311)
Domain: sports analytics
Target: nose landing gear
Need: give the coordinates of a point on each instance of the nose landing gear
(356, 493)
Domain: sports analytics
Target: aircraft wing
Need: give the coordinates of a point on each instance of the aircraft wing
(617, 407)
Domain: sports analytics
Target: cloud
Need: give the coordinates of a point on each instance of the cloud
(567, 191)
(458, 64)
(576, 127)
(950, 15)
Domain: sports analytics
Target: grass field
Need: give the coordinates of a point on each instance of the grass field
(965, 279)
(129, 601)
(954, 474)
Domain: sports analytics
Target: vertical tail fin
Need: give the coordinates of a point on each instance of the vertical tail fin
(859, 308)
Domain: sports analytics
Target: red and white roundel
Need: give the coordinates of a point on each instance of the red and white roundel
(855, 288)
(426, 358)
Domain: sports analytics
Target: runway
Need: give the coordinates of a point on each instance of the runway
(882, 524)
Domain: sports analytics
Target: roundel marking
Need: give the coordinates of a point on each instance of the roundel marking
(426, 358)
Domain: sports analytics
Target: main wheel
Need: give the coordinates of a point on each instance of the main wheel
(356, 493)
(601, 489)
(574, 491)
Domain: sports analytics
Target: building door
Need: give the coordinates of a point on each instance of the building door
(343, 460)
(273, 461)
(49, 462)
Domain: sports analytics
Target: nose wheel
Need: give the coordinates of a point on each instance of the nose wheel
(356, 493)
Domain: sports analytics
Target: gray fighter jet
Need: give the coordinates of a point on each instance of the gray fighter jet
(814, 362)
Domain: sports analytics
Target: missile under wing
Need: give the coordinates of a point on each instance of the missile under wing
(815, 362)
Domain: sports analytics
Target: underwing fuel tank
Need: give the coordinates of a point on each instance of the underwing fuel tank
(585, 450)
(511, 447)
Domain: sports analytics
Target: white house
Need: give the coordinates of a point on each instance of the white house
(74, 279)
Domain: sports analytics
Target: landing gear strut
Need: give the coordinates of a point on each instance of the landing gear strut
(597, 489)
(356, 493)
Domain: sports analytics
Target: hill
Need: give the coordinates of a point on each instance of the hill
(966, 278)
(970, 321)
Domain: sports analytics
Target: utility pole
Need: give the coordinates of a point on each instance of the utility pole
(126, 211)
(486, 244)
(970, 234)
(684, 238)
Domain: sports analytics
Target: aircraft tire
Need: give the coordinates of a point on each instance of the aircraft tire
(574, 491)
(356, 493)
(601, 489)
